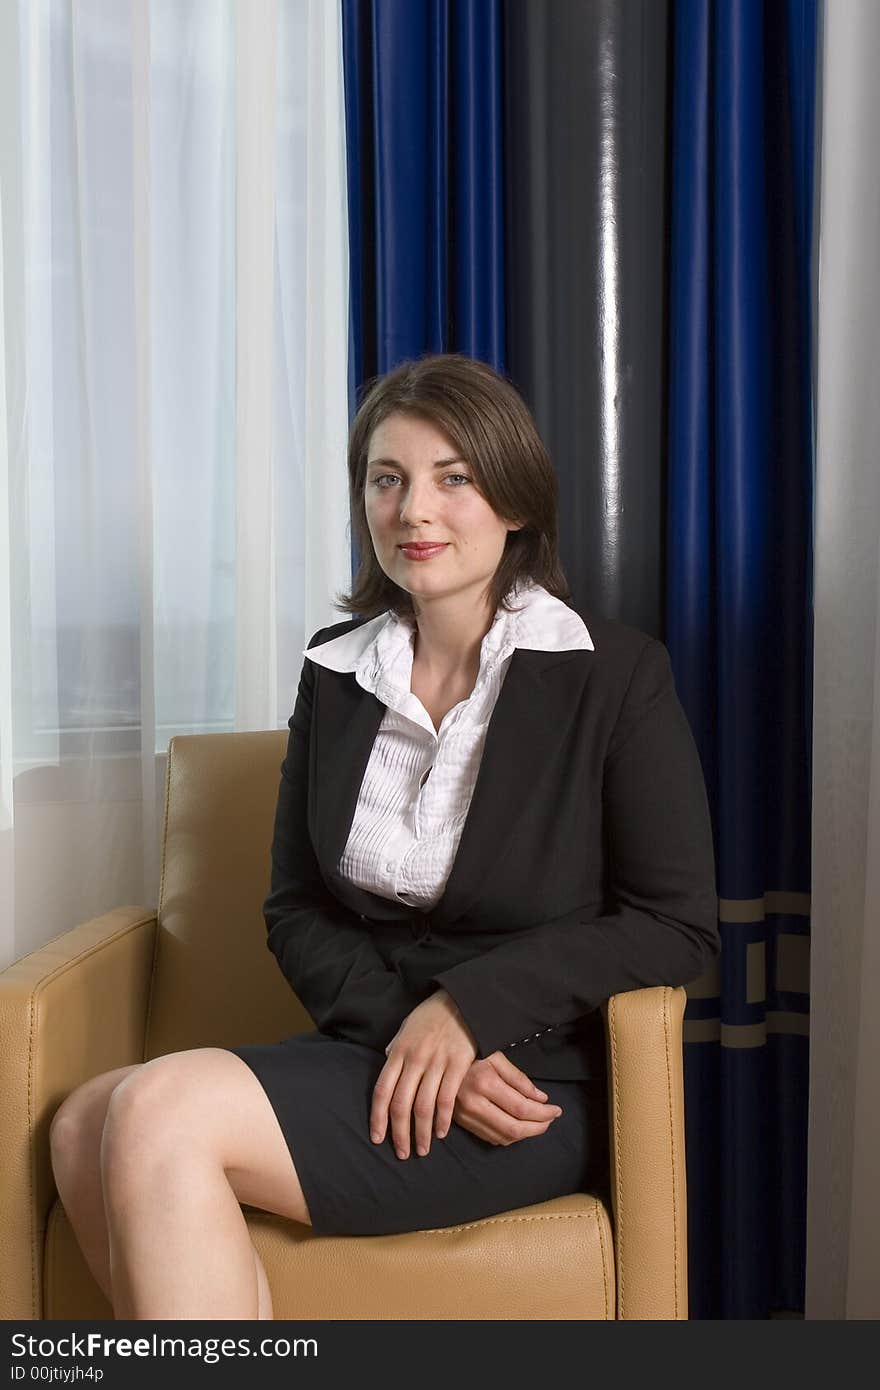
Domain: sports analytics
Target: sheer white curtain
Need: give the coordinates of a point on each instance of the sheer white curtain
(843, 1205)
(173, 412)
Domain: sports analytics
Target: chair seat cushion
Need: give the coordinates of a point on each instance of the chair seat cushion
(472, 1271)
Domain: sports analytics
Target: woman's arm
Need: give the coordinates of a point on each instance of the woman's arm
(663, 929)
(324, 950)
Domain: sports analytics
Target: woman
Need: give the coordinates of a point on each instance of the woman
(491, 817)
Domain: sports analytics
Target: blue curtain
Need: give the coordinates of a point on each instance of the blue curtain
(423, 113)
(739, 620)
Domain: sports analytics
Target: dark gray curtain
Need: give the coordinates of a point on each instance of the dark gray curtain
(586, 117)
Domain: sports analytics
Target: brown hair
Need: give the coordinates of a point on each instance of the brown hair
(487, 420)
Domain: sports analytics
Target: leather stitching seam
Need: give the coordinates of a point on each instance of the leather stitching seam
(618, 1166)
(501, 1221)
(598, 1215)
(666, 999)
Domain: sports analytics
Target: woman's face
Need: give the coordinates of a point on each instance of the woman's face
(417, 489)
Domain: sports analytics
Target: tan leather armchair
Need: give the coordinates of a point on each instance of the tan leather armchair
(137, 983)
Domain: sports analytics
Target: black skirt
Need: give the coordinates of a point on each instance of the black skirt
(321, 1091)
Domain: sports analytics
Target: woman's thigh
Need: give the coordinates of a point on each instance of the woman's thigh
(206, 1101)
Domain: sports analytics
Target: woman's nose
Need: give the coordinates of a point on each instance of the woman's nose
(414, 503)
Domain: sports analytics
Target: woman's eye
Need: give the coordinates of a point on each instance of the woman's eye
(380, 478)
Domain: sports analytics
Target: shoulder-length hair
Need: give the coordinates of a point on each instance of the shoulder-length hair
(486, 419)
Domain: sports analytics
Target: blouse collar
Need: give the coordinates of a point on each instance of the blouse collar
(380, 652)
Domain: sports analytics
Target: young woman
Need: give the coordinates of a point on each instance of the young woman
(491, 817)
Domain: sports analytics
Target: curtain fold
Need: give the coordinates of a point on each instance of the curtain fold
(255, 694)
(424, 139)
(739, 621)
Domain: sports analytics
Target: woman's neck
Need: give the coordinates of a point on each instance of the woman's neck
(448, 638)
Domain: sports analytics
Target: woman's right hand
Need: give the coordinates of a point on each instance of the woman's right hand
(499, 1103)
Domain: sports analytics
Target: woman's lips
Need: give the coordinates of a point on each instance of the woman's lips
(422, 552)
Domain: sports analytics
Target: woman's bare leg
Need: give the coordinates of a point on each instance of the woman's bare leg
(187, 1139)
(264, 1293)
(75, 1147)
(75, 1143)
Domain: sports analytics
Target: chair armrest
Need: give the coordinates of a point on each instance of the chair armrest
(643, 1035)
(70, 1010)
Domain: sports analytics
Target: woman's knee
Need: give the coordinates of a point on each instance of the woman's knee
(164, 1109)
(77, 1125)
(149, 1128)
(188, 1109)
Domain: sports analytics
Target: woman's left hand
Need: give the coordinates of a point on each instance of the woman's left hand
(428, 1058)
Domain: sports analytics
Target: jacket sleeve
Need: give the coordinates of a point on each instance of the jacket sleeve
(324, 950)
(663, 924)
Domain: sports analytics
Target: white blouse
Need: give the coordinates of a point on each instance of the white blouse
(419, 781)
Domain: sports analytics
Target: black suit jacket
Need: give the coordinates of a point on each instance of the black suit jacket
(585, 866)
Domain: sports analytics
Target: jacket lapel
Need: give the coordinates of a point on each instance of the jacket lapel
(530, 716)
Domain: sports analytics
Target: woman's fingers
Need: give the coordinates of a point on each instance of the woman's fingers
(512, 1074)
(518, 1116)
(409, 1096)
(413, 1103)
(450, 1086)
(495, 1087)
(400, 1109)
(498, 1080)
(382, 1095)
(498, 1126)
(515, 1104)
(431, 1084)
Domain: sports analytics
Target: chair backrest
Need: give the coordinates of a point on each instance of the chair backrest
(215, 983)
